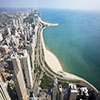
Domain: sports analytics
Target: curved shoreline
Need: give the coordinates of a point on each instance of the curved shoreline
(55, 65)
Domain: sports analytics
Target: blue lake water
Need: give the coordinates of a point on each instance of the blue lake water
(76, 41)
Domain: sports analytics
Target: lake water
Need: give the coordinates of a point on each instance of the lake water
(76, 41)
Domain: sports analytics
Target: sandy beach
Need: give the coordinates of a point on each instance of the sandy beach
(55, 65)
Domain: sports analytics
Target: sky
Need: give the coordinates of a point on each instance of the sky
(61, 4)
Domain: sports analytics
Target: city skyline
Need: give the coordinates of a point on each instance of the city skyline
(58, 4)
(30, 71)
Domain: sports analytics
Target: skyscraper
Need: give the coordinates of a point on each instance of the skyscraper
(25, 61)
(14, 23)
(32, 54)
(19, 79)
(73, 92)
(54, 90)
(9, 31)
(31, 48)
(3, 92)
(1, 38)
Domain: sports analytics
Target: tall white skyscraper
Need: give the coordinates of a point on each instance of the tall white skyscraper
(17, 25)
(25, 61)
(9, 31)
(32, 54)
(19, 79)
(16, 33)
(19, 22)
(1, 38)
(14, 23)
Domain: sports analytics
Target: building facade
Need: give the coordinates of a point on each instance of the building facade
(19, 79)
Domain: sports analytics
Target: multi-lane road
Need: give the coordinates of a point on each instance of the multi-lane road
(40, 59)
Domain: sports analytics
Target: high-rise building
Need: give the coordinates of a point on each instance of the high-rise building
(19, 22)
(32, 55)
(16, 33)
(1, 38)
(73, 92)
(54, 90)
(22, 30)
(8, 41)
(3, 92)
(54, 93)
(15, 41)
(25, 61)
(30, 29)
(17, 25)
(30, 48)
(9, 31)
(66, 93)
(19, 79)
(60, 94)
(14, 23)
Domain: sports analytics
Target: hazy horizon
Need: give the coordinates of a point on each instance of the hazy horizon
(57, 4)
